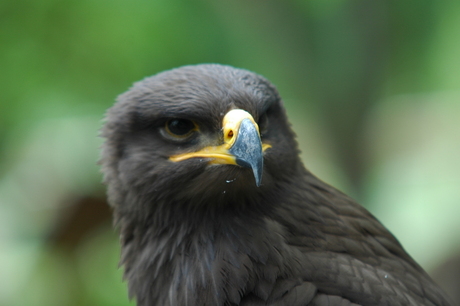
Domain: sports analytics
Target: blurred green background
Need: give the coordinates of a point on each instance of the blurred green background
(372, 89)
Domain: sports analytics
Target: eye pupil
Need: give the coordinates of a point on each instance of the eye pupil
(180, 127)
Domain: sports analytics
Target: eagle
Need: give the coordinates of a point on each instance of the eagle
(214, 205)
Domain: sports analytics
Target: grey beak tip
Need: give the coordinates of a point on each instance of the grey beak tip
(248, 149)
(258, 181)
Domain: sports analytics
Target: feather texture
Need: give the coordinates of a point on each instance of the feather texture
(200, 234)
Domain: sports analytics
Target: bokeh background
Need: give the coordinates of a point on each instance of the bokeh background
(372, 89)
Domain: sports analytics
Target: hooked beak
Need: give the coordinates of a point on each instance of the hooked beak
(242, 145)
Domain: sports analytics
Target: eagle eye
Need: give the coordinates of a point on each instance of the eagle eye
(180, 127)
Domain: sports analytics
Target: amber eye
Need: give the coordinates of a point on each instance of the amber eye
(180, 127)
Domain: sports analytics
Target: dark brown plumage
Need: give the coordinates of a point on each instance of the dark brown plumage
(197, 230)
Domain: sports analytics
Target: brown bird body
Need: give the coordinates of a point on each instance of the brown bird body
(197, 230)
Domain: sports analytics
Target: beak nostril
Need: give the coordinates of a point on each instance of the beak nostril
(230, 134)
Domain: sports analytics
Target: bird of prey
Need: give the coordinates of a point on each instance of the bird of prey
(215, 207)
